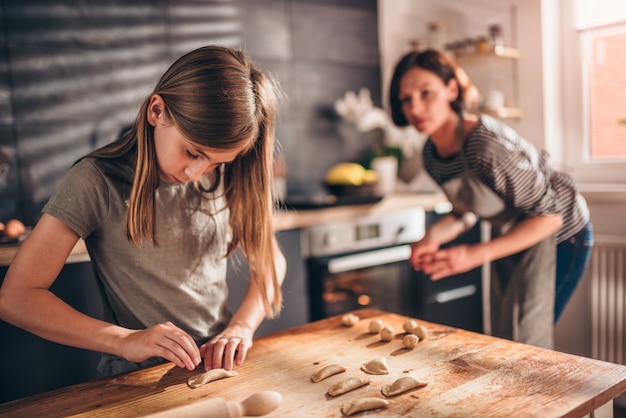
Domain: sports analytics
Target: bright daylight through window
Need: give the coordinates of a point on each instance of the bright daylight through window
(602, 28)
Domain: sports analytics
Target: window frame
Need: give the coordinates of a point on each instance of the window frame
(575, 55)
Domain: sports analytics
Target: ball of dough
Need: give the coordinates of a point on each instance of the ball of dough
(410, 340)
(350, 319)
(387, 333)
(409, 325)
(421, 332)
(375, 326)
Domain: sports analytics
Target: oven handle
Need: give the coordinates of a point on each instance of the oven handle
(369, 259)
(454, 294)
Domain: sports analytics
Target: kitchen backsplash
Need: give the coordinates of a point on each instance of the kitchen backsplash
(73, 75)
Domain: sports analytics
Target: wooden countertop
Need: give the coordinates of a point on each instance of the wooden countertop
(468, 374)
(291, 219)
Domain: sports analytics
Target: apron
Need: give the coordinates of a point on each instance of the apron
(522, 287)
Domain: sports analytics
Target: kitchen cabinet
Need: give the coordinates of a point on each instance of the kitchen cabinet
(32, 365)
(295, 294)
(495, 74)
(456, 300)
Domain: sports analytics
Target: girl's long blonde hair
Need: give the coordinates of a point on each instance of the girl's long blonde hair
(217, 98)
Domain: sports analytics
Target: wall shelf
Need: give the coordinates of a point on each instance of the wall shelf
(495, 70)
(498, 52)
(503, 112)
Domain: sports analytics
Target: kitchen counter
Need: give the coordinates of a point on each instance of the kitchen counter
(468, 374)
(291, 219)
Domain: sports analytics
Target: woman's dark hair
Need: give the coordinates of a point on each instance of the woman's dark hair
(430, 60)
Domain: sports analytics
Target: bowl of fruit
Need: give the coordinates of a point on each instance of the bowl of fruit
(12, 232)
(350, 179)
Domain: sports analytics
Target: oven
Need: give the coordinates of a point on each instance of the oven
(363, 263)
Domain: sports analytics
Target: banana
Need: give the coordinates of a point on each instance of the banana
(352, 174)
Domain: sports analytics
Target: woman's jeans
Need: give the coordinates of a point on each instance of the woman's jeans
(572, 256)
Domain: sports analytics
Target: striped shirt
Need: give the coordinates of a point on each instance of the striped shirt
(516, 171)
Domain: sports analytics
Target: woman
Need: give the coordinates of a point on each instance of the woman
(160, 209)
(541, 233)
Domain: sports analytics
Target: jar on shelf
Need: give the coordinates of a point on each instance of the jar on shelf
(437, 35)
(468, 46)
(495, 36)
(418, 44)
(481, 45)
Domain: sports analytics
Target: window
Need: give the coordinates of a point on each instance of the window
(605, 82)
(594, 77)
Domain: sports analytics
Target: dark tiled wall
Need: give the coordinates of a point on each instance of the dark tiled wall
(73, 74)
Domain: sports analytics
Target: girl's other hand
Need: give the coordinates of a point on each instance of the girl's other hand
(162, 340)
(228, 348)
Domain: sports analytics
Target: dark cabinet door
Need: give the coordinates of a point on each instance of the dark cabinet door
(295, 293)
(24, 355)
(455, 300)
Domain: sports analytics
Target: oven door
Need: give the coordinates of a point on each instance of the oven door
(376, 278)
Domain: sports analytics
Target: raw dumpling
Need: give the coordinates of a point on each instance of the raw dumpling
(350, 319)
(327, 371)
(211, 375)
(363, 404)
(347, 385)
(377, 366)
(403, 384)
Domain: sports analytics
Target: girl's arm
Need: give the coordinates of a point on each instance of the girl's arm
(231, 346)
(461, 258)
(26, 301)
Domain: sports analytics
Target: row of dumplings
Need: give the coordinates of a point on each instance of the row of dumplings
(376, 366)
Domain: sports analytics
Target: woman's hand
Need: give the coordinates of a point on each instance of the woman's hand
(162, 340)
(227, 348)
(452, 260)
(422, 252)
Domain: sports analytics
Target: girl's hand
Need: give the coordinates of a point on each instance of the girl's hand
(453, 260)
(421, 252)
(162, 340)
(227, 348)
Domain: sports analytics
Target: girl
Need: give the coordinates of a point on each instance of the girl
(160, 209)
(541, 233)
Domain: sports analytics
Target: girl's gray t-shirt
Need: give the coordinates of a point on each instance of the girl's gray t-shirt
(182, 280)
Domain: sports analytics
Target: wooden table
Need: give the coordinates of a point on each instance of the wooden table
(469, 375)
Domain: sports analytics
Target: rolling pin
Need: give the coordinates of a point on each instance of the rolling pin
(256, 405)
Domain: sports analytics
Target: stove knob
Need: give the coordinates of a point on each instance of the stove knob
(330, 239)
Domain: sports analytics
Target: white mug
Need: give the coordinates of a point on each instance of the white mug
(387, 170)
